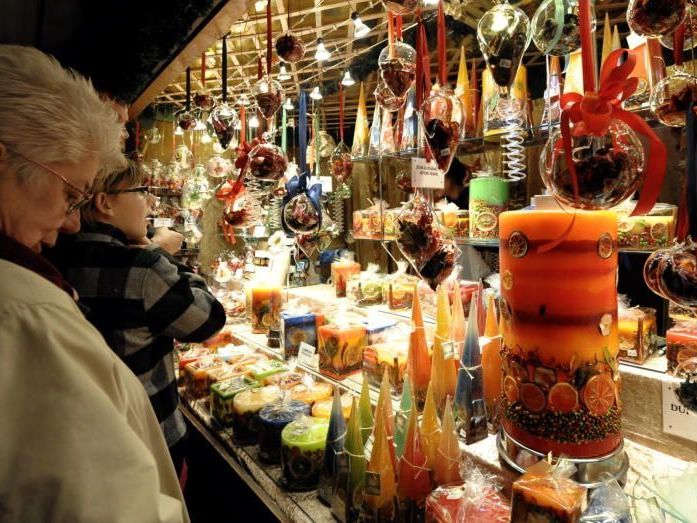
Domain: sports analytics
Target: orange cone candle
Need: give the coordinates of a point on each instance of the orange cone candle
(414, 476)
(443, 371)
(447, 465)
(380, 500)
(560, 341)
(491, 363)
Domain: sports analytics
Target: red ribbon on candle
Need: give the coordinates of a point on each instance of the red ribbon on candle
(423, 70)
(268, 37)
(398, 20)
(341, 112)
(390, 33)
(593, 112)
(442, 64)
(678, 42)
(260, 72)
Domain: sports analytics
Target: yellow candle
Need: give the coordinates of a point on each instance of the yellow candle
(447, 465)
(443, 376)
(430, 428)
(418, 361)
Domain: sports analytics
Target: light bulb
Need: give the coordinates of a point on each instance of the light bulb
(244, 101)
(200, 126)
(179, 131)
(283, 74)
(359, 28)
(499, 22)
(254, 122)
(315, 94)
(259, 5)
(347, 80)
(321, 54)
(288, 105)
(206, 138)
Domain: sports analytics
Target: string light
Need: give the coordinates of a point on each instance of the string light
(359, 28)
(347, 80)
(254, 122)
(322, 53)
(315, 94)
(259, 5)
(200, 126)
(288, 106)
(179, 131)
(206, 138)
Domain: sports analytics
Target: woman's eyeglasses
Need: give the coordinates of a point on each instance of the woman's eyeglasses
(143, 189)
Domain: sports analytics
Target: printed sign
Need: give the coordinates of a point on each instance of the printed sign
(448, 350)
(426, 174)
(372, 483)
(326, 182)
(677, 420)
(162, 222)
(307, 356)
(259, 231)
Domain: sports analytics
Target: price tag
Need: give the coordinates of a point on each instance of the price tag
(162, 222)
(677, 420)
(448, 350)
(372, 483)
(632, 353)
(426, 174)
(259, 231)
(262, 254)
(188, 226)
(307, 356)
(368, 448)
(326, 182)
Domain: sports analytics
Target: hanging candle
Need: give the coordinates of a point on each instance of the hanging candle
(335, 446)
(653, 18)
(223, 118)
(468, 406)
(301, 212)
(397, 61)
(360, 131)
(380, 498)
(340, 160)
(555, 27)
(443, 372)
(596, 160)
(671, 97)
(406, 405)
(418, 359)
(430, 428)
(441, 112)
(414, 482)
(447, 467)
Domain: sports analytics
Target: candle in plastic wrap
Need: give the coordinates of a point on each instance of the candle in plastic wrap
(380, 498)
(222, 395)
(681, 343)
(419, 360)
(491, 362)
(302, 452)
(446, 469)
(247, 405)
(366, 411)
(341, 349)
(297, 328)
(406, 405)
(335, 445)
(272, 420)
(637, 333)
(348, 493)
(443, 371)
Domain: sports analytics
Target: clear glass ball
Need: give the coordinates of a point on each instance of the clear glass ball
(300, 215)
(268, 94)
(398, 67)
(671, 97)
(555, 31)
(653, 18)
(441, 117)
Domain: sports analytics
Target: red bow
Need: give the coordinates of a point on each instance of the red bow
(243, 154)
(592, 113)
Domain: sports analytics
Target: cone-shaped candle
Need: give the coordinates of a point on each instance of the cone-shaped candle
(462, 91)
(387, 143)
(458, 328)
(383, 415)
(430, 428)
(573, 79)
(360, 132)
(443, 372)
(607, 39)
(616, 44)
(470, 413)
(447, 466)
(406, 405)
(374, 146)
(414, 482)
(366, 411)
(491, 363)
(335, 445)
(380, 500)
(474, 97)
(419, 361)
(347, 500)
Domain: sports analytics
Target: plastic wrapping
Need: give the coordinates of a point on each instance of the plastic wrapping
(247, 405)
(334, 446)
(365, 288)
(608, 503)
(637, 333)
(272, 420)
(681, 345)
(398, 288)
(342, 269)
(303, 442)
(347, 497)
(646, 232)
(341, 348)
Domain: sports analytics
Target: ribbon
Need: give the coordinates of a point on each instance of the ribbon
(228, 193)
(268, 37)
(298, 185)
(203, 70)
(390, 34)
(442, 63)
(243, 125)
(423, 71)
(302, 131)
(243, 150)
(188, 89)
(341, 112)
(678, 42)
(593, 112)
(687, 219)
(398, 23)
(224, 70)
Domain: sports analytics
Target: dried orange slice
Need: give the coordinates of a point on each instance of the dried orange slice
(510, 389)
(659, 231)
(624, 225)
(519, 371)
(532, 397)
(599, 394)
(563, 398)
(686, 354)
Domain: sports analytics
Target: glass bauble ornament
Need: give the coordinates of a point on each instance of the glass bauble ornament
(503, 34)
(268, 95)
(300, 215)
(424, 242)
(341, 166)
(690, 42)
(196, 190)
(386, 99)
(267, 162)
(653, 18)
(398, 67)
(204, 100)
(441, 120)
(651, 274)
(186, 120)
(609, 168)
(183, 156)
(218, 167)
(223, 119)
(154, 136)
(555, 27)
(401, 7)
(290, 48)
(326, 144)
(671, 97)
(677, 275)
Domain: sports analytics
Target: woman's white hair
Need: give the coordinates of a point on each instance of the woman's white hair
(53, 115)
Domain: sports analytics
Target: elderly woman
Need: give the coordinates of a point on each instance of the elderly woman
(79, 440)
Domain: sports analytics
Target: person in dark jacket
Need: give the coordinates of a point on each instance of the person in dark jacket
(137, 295)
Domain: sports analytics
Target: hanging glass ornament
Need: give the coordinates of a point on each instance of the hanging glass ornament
(609, 167)
(653, 18)
(302, 212)
(204, 100)
(218, 167)
(386, 99)
(290, 48)
(555, 27)
(651, 272)
(677, 275)
(268, 95)
(341, 167)
(267, 162)
(326, 144)
(186, 120)
(441, 119)
(672, 96)
(196, 189)
(397, 64)
(689, 42)
(184, 157)
(224, 118)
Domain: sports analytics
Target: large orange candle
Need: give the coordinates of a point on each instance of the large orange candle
(266, 307)
(560, 342)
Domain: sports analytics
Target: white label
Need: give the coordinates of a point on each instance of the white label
(448, 350)
(249, 267)
(426, 174)
(400, 421)
(188, 226)
(259, 231)
(505, 63)
(677, 420)
(262, 254)
(162, 222)
(239, 273)
(368, 448)
(307, 356)
(632, 353)
(326, 183)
